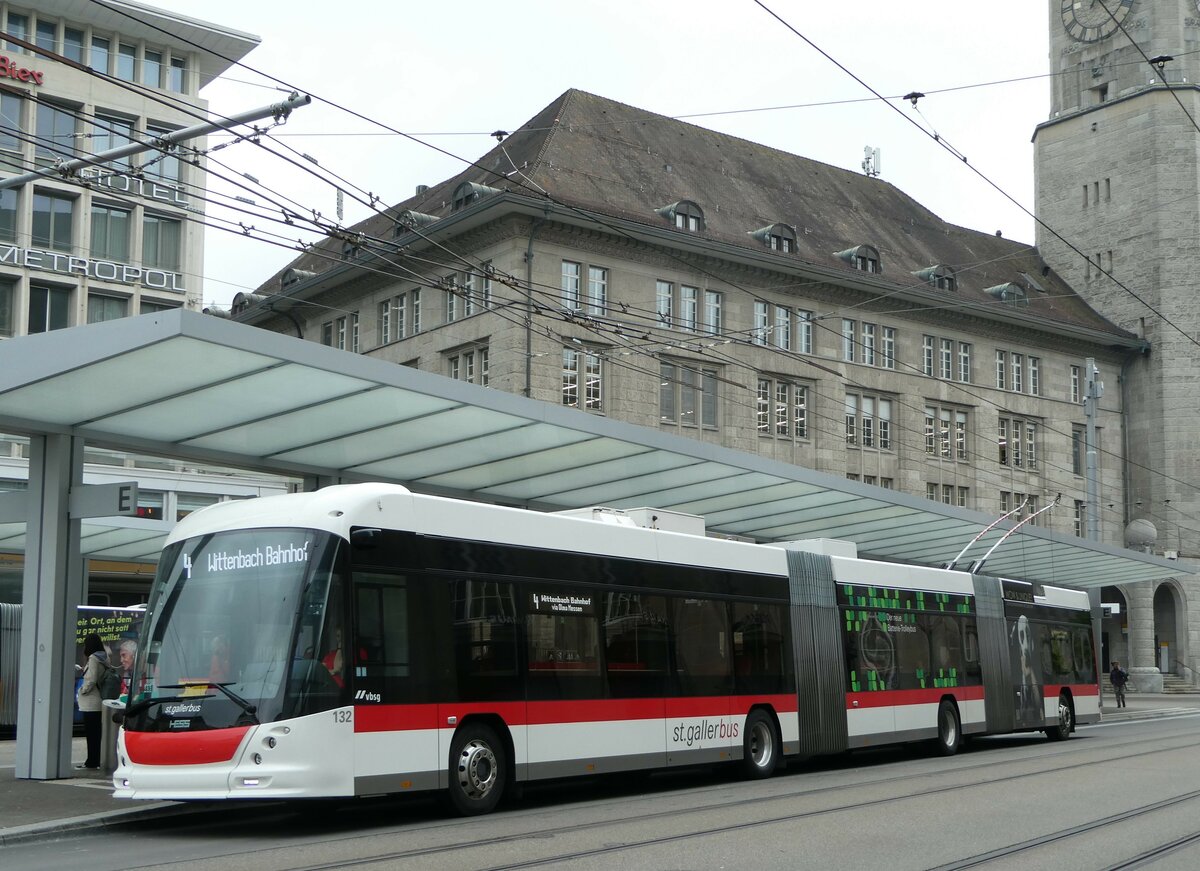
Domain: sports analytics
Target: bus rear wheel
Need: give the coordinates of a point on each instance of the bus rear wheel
(1066, 721)
(949, 737)
(760, 746)
(478, 770)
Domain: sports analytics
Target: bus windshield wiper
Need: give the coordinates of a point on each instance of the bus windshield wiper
(223, 689)
(143, 704)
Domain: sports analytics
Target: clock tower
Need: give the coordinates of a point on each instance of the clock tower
(1116, 177)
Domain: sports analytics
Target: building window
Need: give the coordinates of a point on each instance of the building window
(685, 215)
(781, 238)
(105, 308)
(597, 297)
(8, 295)
(73, 44)
(8, 215)
(713, 322)
(782, 408)
(1078, 450)
(52, 217)
(762, 322)
(1079, 518)
(781, 333)
(1017, 441)
(597, 288)
(384, 321)
(160, 242)
(848, 329)
(664, 301)
(927, 355)
(46, 36)
(186, 503)
(946, 360)
(1016, 371)
(11, 106)
(175, 74)
(327, 334)
(581, 379)
(931, 491)
(570, 285)
(1001, 380)
(688, 395)
(149, 306)
(126, 62)
(18, 26)
(1035, 376)
(964, 362)
(1076, 381)
(1009, 501)
(110, 233)
(354, 334)
(49, 309)
(55, 134)
(689, 307)
(470, 365)
(164, 165)
(888, 360)
(868, 421)
(98, 59)
(108, 133)
(152, 64)
(868, 344)
(946, 433)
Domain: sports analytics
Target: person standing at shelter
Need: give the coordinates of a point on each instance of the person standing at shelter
(88, 697)
(1119, 678)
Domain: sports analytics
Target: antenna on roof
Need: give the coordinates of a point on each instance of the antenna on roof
(870, 162)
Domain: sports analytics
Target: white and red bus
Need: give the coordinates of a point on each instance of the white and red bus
(364, 639)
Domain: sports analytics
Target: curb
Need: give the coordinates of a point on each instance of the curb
(34, 831)
(1157, 714)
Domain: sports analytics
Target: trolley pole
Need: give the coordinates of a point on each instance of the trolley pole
(70, 168)
(1091, 402)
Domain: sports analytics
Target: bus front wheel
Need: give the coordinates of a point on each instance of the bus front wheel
(478, 770)
(760, 746)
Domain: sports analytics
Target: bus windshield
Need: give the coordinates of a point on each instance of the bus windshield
(234, 632)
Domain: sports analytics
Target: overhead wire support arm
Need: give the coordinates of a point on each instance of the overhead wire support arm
(69, 168)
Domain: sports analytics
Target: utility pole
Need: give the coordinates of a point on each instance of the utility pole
(1091, 401)
(70, 168)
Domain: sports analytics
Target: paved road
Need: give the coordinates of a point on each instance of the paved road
(1116, 792)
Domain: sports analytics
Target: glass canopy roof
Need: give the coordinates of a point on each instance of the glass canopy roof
(187, 385)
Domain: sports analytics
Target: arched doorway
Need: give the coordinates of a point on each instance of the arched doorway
(1170, 631)
(1114, 627)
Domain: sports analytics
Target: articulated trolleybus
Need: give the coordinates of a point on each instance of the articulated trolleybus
(364, 640)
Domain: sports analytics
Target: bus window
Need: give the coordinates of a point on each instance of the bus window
(912, 651)
(484, 616)
(759, 656)
(636, 644)
(1060, 665)
(970, 636)
(945, 648)
(382, 640)
(701, 632)
(563, 645)
(1085, 658)
(870, 651)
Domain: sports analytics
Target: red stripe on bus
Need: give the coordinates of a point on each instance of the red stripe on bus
(184, 748)
(892, 698)
(1076, 689)
(399, 718)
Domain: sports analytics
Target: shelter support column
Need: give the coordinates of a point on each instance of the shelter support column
(53, 588)
(1143, 673)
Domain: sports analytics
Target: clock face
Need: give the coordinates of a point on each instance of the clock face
(1092, 20)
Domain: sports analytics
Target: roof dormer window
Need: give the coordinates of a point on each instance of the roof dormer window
(940, 276)
(468, 192)
(864, 258)
(777, 237)
(1013, 294)
(685, 215)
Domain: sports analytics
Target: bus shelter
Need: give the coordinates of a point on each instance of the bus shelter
(185, 385)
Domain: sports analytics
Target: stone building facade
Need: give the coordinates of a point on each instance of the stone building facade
(1118, 187)
(636, 266)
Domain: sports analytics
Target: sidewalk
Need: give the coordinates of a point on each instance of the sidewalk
(38, 808)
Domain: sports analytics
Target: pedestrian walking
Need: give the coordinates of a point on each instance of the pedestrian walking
(1119, 678)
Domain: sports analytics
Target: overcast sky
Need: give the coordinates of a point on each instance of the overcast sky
(451, 72)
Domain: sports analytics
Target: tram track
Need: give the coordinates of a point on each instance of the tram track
(549, 831)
